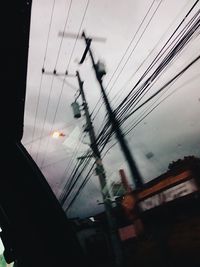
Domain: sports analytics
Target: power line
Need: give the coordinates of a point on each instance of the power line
(54, 118)
(47, 43)
(84, 182)
(119, 93)
(55, 162)
(127, 60)
(152, 63)
(70, 186)
(136, 124)
(135, 45)
(75, 153)
(158, 55)
(124, 112)
(77, 36)
(45, 136)
(41, 77)
(71, 153)
(167, 84)
(176, 48)
(164, 86)
(74, 177)
(86, 179)
(74, 157)
(45, 116)
(65, 25)
(151, 87)
(61, 92)
(69, 84)
(124, 54)
(52, 81)
(130, 43)
(37, 108)
(141, 118)
(88, 176)
(159, 91)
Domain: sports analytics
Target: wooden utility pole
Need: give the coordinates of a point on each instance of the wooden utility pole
(137, 179)
(115, 241)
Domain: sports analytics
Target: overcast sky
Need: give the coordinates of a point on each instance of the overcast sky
(170, 132)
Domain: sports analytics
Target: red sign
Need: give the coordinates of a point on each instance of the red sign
(127, 232)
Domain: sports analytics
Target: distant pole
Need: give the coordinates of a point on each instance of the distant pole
(116, 246)
(137, 179)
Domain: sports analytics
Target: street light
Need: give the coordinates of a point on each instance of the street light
(57, 134)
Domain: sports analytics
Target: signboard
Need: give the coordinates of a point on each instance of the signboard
(169, 181)
(177, 191)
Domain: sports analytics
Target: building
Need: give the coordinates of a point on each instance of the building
(159, 225)
(168, 207)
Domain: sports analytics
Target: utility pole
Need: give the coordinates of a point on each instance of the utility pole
(112, 116)
(116, 246)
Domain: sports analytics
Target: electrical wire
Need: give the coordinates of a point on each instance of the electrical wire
(74, 177)
(127, 60)
(45, 136)
(80, 27)
(150, 67)
(62, 37)
(156, 59)
(53, 77)
(161, 89)
(73, 158)
(84, 182)
(103, 130)
(47, 43)
(55, 162)
(88, 176)
(143, 112)
(63, 83)
(175, 49)
(130, 43)
(164, 86)
(151, 108)
(120, 92)
(41, 77)
(140, 96)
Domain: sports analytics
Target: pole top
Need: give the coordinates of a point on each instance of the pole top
(80, 36)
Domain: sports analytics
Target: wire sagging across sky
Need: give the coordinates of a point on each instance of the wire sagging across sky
(135, 100)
